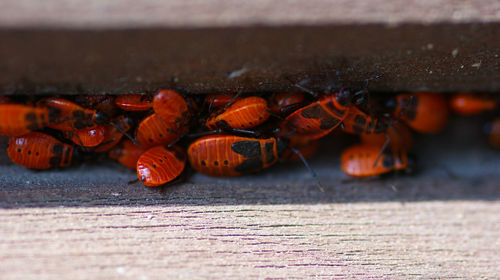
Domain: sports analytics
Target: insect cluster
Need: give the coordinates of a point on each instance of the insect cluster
(227, 134)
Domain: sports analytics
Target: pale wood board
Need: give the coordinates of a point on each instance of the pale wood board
(386, 240)
(173, 13)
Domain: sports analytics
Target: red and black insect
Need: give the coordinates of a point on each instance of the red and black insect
(17, 119)
(243, 114)
(307, 148)
(471, 104)
(127, 153)
(323, 115)
(113, 133)
(282, 103)
(399, 134)
(105, 104)
(423, 111)
(39, 151)
(219, 99)
(159, 165)
(154, 131)
(69, 116)
(134, 102)
(358, 122)
(172, 108)
(229, 155)
(358, 160)
(87, 137)
(318, 118)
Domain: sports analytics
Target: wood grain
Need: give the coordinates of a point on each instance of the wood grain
(205, 46)
(147, 13)
(391, 240)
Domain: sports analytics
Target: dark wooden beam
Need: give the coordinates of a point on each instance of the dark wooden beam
(81, 47)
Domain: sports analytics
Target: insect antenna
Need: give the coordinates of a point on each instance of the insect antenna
(382, 150)
(235, 97)
(105, 143)
(80, 142)
(84, 148)
(211, 103)
(205, 133)
(125, 133)
(306, 164)
(225, 127)
(276, 130)
(181, 135)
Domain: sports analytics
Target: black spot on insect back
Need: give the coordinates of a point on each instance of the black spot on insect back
(269, 149)
(329, 104)
(55, 161)
(67, 156)
(57, 149)
(328, 121)
(31, 119)
(359, 124)
(79, 119)
(249, 165)
(247, 148)
(312, 112)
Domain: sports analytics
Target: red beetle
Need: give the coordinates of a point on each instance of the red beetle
(229, 155)
(307, 148)
(172, 109)
(358, 122)
(127, 153)
(154, 131)
(423, 111)
(399, 134)
(282, 102)
(471, 104)
(159, 165)
(219, 99)
(358, 160)
(105, 104)
(69, 116)
(87, 137)
(39, 151)
(113, 133)
(134, 102)
(245, 113)
(320, 117)
(16, 119)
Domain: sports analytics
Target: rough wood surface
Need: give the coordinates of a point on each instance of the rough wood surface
(442, 57)
(445, 240)
(130, 13)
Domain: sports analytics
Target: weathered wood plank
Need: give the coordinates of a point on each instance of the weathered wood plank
(202, 13)
(393, 240)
